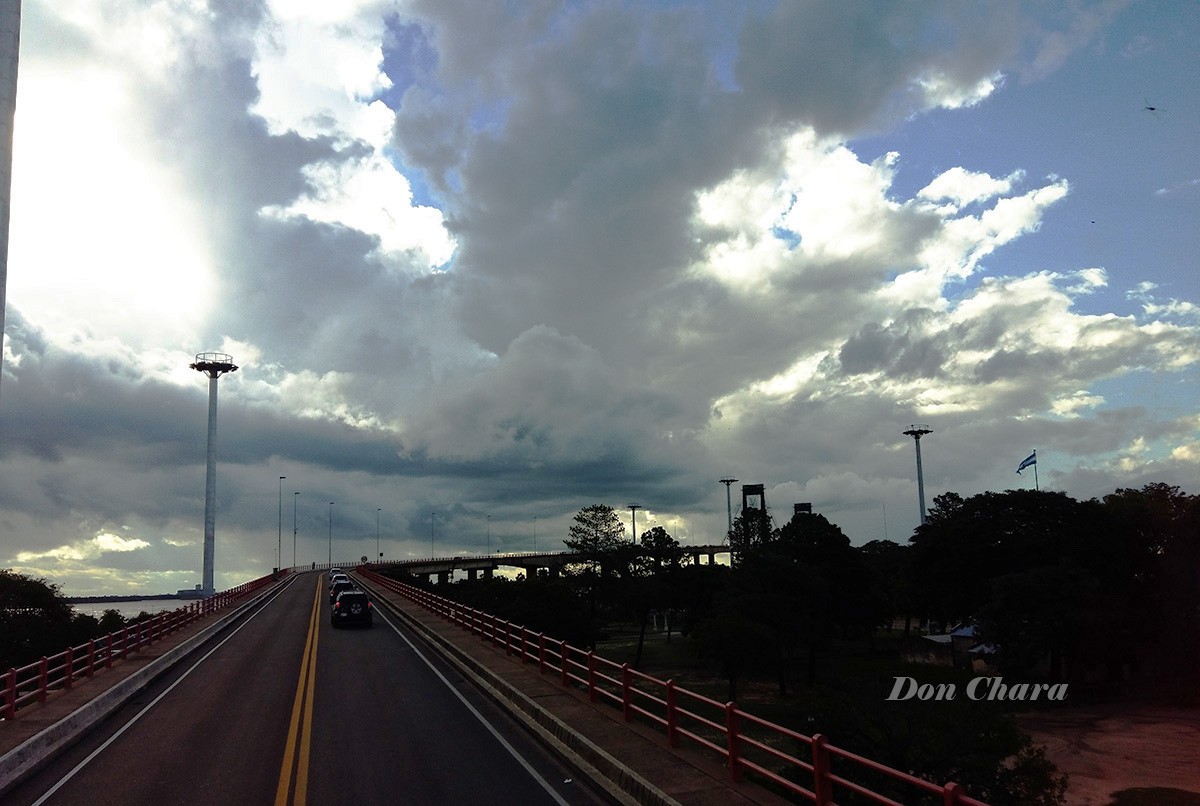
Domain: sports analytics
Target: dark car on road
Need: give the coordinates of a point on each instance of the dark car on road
(338, 587)
(351, 607)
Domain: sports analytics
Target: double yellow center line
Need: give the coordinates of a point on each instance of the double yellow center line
(299, 738)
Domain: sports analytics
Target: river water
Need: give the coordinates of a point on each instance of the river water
(130, 609)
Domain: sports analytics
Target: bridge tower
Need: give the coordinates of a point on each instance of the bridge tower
(214, 365)
(754, 506)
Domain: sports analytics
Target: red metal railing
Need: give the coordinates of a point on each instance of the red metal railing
(34, 682)
(745, 743)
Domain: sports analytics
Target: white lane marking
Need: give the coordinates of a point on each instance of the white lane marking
(62, 781)
(504, 742)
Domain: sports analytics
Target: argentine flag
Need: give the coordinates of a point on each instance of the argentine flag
(1031, 459)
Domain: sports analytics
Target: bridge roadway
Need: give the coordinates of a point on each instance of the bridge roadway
(281, 708)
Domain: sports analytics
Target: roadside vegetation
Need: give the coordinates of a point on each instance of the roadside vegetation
(811, 632)
(36, 621)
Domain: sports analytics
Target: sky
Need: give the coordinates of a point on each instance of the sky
(482, 265)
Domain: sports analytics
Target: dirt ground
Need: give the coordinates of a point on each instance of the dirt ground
(1107, 749)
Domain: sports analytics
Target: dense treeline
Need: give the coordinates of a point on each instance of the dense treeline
(1102, 594)
(36, 621)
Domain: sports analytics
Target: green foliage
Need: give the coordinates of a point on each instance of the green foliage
(971, 743)
(36, 621)
(1079, 591)
(596, 530)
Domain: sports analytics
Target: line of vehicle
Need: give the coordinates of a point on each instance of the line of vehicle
(78, 767)
(299, 739)
(482, 720)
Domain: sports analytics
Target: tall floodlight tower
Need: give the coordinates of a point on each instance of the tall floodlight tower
(10, 46)
(728, 507)
(214, 365)
(916, 432)
(633, 508)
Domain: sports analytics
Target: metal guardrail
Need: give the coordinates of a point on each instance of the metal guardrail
(746, 743)
(33, 683)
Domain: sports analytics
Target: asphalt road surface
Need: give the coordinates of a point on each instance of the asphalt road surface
(284, 709)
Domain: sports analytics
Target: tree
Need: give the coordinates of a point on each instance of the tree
(597, 531)
(654, 572)
(751, 529)
(598, 534)
(34, 619)
(964, 545)
(889, 570)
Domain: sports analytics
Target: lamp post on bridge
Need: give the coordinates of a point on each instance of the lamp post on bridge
(330, 534)
(294, 498)
(279, 537)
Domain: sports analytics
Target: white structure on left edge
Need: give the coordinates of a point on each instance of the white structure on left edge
(214, 365)
(10, 46)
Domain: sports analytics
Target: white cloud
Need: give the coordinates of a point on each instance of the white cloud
(367, 194)
(943, 91)
(963, 187)
(92, 549)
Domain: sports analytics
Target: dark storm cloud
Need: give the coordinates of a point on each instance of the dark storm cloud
(581, 346)
(900, 349)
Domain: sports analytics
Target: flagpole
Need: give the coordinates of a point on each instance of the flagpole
(1036, 486)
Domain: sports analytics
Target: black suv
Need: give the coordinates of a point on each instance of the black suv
(351, 607)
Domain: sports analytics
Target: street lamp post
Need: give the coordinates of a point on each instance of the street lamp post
(279, 538)
(294, 528)
(432, 521)
(728, 507)
(489, 534)
(916, 432)
(633, 508)
(331, 534)
(378, 553)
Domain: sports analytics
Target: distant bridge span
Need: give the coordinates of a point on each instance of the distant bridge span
(441, 569)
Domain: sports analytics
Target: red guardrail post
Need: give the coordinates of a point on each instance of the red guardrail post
(541, 653)
(68, 667)
(626, 692)
(672, 715)
(822, 786)
(91, 665)
(108, 652)
(43, 678)
(524, 644)
(733, 742)
(564, 655)
(591, 656)
(951, 794)
(10, 694)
